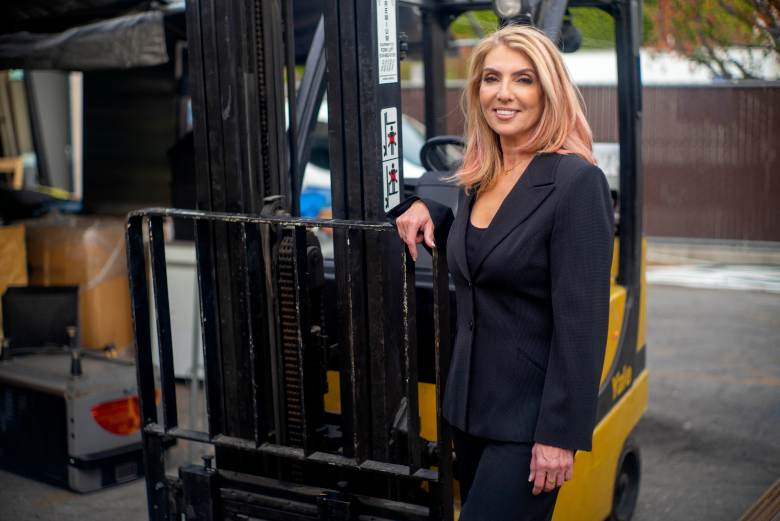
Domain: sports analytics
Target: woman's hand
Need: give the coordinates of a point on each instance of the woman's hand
(415, 226)
(550, 467)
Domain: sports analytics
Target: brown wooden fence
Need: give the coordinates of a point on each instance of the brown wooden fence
(710, 154)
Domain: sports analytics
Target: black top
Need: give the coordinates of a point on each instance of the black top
(474, 237)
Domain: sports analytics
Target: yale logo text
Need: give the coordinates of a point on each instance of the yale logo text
(621, 381)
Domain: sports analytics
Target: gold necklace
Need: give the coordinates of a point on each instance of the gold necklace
(527, 161)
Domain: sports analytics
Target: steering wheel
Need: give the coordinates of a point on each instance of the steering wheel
(442, 153)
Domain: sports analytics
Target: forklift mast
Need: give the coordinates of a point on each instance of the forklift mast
(262, 287)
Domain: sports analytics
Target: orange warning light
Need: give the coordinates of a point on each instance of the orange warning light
(122, 416)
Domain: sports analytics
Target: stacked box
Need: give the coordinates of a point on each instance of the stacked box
(88, 252)
(13, 260)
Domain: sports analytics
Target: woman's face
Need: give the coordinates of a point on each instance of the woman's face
(510, 94)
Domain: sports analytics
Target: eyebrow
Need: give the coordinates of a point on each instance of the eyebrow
(521, 71)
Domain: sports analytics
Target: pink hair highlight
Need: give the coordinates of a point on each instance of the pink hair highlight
(562, 126)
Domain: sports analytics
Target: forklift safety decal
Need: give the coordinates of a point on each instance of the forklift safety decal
(390, 161)
(390, 175)
(387, 41)
(389, 126)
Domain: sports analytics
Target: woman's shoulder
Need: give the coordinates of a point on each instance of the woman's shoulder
(573, 169)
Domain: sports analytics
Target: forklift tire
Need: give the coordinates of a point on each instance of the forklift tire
(626, 482)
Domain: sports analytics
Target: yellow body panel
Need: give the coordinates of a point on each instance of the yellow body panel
(615, 256)
(333, 396)
(588, 497)
(640, 336)
(617, 307)
(426, 397)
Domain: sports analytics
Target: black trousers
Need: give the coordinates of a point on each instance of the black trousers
(494, 482)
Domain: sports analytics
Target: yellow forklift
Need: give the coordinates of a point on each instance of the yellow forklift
(324, 373)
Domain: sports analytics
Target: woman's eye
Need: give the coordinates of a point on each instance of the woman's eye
(489, 79)
(526, 80)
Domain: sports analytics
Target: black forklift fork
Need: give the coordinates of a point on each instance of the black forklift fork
(211, 492)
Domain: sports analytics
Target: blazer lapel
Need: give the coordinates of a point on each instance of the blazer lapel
(458, 234)
(525, 197)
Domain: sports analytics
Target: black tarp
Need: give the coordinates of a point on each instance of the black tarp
(135, 40)
(71, 34)
(55, 16)
(120, 34)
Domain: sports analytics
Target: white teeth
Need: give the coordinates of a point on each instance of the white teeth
(505, 112)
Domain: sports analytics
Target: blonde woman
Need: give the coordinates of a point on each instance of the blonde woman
(529, 253)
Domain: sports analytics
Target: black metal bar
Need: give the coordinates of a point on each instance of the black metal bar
(236, 365)
(434, 36)
(154, 463)
(259, 354)
(409, 320)
(368, 183)
(601, 4)
(454, 7)
(156, 431)
(198, 81)
(219, 97)
(229, 65)
(310, 95)
(209, 326)
(267, 492)
(182, 434)
(367, 105)
(163, 315)
(343, 115)
(234, 58)
(242, 120)
(207, 124)
(157, 488)
(332, 27)
(384, 359)
(292, 125)
(550, 17)
(269, 47)
(197, 215)
(272, 354)
(355, 395)
(442, 508)
(139, 293)
(627, 15)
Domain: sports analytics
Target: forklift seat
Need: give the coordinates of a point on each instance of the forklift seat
(438, 186)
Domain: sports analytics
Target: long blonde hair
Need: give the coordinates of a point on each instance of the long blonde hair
(562, 126)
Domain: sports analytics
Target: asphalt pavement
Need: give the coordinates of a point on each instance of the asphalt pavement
(710, 439)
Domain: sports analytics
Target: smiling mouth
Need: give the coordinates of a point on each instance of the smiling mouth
(505, 113)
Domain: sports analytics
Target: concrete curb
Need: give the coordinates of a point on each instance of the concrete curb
(667, 250)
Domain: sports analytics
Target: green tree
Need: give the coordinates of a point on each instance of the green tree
(708, 31)
(596, 26)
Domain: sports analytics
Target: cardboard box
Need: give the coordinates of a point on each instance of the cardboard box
(88, 252)
(13, 260)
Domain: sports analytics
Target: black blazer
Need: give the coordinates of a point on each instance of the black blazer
(533, 306)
